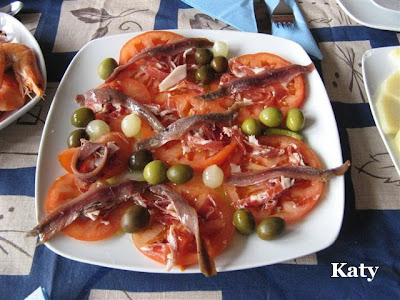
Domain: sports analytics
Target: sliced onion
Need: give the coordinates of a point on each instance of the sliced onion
(131, 125)
(96, 129)
(220, 49)
(213, 176)
(178, 74)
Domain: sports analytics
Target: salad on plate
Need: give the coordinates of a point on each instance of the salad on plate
(182, 145)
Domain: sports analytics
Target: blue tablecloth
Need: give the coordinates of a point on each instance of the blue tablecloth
(371, 227)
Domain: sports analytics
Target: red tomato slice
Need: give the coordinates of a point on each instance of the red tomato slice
(119, 161)
(291, 204)
(187, 105)
(277, 95)
(145, 40)
(65, 158)
(216, 227)
(130, 87)
(172, 153)
(116, 164)
(83, 228)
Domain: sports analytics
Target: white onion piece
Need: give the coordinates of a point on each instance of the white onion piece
(220, 49)
(213, 176)
(178, 74)
(131, 125)
(96, 129)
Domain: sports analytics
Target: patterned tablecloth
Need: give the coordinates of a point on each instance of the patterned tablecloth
(371, 227)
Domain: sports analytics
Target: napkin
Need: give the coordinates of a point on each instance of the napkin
(298, 33)
(237, 13)
(240, 14)
(38, 294)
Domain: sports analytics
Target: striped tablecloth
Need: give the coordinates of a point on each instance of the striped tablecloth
(371, 227)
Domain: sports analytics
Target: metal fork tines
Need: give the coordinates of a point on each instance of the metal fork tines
(282, 15)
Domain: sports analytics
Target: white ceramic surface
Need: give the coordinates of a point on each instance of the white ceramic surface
(389, 4)
(371, 14)
(316, 232)
(20, 34)
(377, 65)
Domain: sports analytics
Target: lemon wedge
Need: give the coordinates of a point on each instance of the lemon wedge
(388, 104)
(397, 141)
(395, 56)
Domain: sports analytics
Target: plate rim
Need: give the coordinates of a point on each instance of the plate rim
(42, 65)
(47, 128)
(354, 14)
(371, 101)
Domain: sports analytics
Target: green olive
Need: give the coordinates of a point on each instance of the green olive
(74, 139)
(155, 172)
(82, 116)
(203, 56)
(106, 67)
(139, 159)
(281, 131)
(204, 74)
(180, 173)
(244, 221)
(271, 117)
(219, 64)
(295, 119)
(270, 228)
(251, 126)
(135, 219)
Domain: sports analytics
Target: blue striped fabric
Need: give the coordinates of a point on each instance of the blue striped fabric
(367, 236)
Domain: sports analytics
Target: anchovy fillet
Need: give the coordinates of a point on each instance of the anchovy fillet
(296, 172)
(188, 217)
(101, 198)
(285, 74)
(179, 128)
(163, 50)
(103, 96)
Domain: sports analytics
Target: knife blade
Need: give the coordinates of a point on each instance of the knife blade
(263, 18)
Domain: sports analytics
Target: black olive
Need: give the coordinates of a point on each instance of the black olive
(139, 159)
(219, 64)
(74, 139)
(135, 219)
(203, 56)
(204, 74)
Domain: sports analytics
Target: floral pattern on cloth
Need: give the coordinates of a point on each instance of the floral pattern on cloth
(375, 180)
(17, 216)
(97, 19)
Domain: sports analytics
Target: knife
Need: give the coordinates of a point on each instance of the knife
(263, 18)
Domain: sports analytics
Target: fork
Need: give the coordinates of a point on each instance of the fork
(282, 15)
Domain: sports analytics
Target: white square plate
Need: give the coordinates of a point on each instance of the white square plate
(20, 34)
(317, 231)
(372, 14)
(377, 65)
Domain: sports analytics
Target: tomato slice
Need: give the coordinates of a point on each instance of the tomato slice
(275, 197)
(115, 165)
(65, 158)
(216, 227)
(172, 153)
(278, 95)
(131, 88)
(83, 228)
(119, 161)
(187, 105)
(145, 40)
